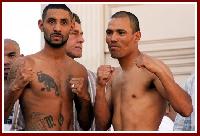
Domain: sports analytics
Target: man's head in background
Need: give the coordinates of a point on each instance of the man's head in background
(11, 53)
(75, 41)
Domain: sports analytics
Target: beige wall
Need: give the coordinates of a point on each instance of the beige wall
(168, 33)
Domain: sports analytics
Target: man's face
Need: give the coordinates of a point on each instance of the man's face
(120, 37)
(56, 27)
(75, 41)
(11, 53)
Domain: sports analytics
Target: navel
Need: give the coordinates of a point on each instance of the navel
(42, 89)
(133, 96)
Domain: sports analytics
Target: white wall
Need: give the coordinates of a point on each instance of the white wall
(19, 22)
(168, 33)
(92, 18)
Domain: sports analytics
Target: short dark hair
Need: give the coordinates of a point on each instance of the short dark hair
(11, 41)
(76, 18)
(55, 6)
(133, 19)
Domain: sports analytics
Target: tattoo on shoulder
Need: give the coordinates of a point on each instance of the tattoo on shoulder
(48, 82)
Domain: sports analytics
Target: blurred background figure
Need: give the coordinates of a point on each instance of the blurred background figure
(11, 53)
(187, 123)
(74, 50)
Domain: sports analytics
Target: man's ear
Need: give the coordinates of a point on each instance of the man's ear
(137, 36)
(40, 25)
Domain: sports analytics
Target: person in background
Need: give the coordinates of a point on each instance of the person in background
(11, 52)
(167, 122)
(74, 48)
(187, 123)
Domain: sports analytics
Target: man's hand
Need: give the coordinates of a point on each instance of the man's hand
(151, 64)
(76, 85)
(20, 75)
(104, 74)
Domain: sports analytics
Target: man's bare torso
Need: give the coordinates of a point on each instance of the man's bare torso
(47, 100)
(137, 104)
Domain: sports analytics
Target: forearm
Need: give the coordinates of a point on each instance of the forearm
(10, 97)
(102, 111)
(178, 98)
(85, 112)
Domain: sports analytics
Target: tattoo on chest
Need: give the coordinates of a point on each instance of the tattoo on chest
(60, 119)
(48, 82)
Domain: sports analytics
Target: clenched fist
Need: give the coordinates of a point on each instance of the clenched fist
(151, 64)
(104, 74)
(76, 85)
(20, 76)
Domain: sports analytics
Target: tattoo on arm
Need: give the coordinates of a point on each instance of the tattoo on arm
(13, 71)
(48, 82)
(10, 96)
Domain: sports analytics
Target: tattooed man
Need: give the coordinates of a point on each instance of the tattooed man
(41, 83)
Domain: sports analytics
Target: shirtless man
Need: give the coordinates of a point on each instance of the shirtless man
(137, 96)
(43, 82)
(11, 53)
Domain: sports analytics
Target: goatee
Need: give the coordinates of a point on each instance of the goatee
(55, 45)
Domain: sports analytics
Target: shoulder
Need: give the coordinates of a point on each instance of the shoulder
(77, 68)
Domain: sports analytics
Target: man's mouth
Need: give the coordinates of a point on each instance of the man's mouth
(78, 47)
(113, 47)
(56, 36)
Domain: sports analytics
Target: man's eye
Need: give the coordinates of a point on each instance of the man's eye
(121, 32)
(12, 56)
(51, 21)
(108, 32)
(73, 33)
(64, 22)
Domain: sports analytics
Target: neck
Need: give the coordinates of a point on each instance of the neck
(129, 61)
(54, 53)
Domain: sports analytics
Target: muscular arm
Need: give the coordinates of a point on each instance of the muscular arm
(83, 105)
(17, 80)
(167, 87)
(102, 106)
(178, 98)
(102, 109)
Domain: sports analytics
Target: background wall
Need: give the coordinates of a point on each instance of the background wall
(168, 31)
(19, 22)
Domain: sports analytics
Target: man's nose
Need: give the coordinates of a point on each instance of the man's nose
(114, 37)
(57, 27)
(81, 39)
